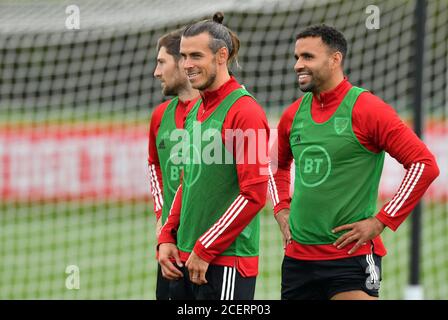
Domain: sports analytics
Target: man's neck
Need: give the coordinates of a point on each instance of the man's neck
(220, 80)
(188, 94)
(330, 85)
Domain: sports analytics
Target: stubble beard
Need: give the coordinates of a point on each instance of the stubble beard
(174, 89)
(208, 83)
(309, 87)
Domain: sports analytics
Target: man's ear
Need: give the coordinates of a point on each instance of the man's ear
(222, 55)
(336, 60)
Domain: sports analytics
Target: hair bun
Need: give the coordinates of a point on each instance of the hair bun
(218, 17)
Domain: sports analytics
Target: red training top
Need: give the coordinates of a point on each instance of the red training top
(155, 175)
(377, 127)
(245, 114)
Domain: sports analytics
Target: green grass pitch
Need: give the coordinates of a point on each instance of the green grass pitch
(113, 245)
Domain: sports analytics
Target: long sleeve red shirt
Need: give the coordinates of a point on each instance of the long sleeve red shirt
(155, 175)
(377, 127)
(245, 114)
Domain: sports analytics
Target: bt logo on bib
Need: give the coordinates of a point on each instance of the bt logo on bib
(314, 166)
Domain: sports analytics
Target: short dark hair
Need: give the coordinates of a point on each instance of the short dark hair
(333, 38)
(171, 42)
(221, 36)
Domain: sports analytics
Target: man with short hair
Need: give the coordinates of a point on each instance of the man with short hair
(337, 134)
(213, 226)
(166, 118)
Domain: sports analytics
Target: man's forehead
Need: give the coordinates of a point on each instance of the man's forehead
(199, 41)
(162, 54)
(309, 42)
(312, 45)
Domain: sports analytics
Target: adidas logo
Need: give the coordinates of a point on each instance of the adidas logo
(162, 144)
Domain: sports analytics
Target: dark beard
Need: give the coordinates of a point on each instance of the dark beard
(167, 91)
(310, 87)
(172, 91)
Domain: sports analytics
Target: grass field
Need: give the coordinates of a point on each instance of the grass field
(113, 246)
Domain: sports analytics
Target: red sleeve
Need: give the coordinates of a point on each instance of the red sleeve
(155, 174)
(168, 233)
(281, 157)
(248, 116)
(378, 127)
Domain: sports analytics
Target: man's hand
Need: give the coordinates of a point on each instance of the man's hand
(169, 270)
(158, 227)
(197, 269)
(282, 218)
(361, 231)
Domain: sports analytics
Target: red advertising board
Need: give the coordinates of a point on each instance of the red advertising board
(110, 161)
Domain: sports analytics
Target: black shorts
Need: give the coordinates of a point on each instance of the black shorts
(162, 286)
(321, 280)
(223, 283)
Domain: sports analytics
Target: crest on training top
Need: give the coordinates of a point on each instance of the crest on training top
(340, 124)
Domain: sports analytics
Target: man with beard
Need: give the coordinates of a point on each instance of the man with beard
(166, 118)
(337, 134)
(213, 226)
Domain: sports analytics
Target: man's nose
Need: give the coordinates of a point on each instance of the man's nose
(157, 73)
(188, 63)
(299, 66)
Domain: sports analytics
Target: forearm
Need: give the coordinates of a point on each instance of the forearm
(413, 186)
(169, 229)
(156, 187)
(281, 159)
(281, 183)
(155, 174)
(238, 215)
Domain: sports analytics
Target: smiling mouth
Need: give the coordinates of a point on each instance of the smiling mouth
(303, 77)
(193, 75)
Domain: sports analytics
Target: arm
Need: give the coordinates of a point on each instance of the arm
(167, 240)
(280, 173)
(246, 114)
(421, 170)
(155, 174)
(386, 131)
(169, 229)
(281, 159)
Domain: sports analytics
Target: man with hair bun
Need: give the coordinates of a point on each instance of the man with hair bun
(209, 244)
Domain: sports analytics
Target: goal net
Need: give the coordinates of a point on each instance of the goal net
(76, 217)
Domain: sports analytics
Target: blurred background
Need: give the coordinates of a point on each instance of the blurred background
(76, 217)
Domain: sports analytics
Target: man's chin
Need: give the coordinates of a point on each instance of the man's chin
(194, 85)
(309, 87)
(168, 92)
(200, 86)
